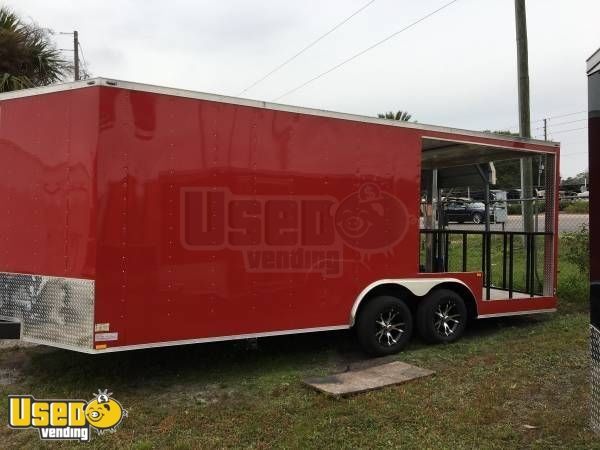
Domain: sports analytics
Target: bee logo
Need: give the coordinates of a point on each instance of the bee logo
(63, 419)
(104, 413)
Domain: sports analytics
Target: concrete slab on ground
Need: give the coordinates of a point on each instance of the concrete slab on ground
(375, 377)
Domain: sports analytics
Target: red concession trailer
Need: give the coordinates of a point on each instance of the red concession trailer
(138, 216)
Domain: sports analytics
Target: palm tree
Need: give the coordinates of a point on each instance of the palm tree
(28, 57)
(402, 116)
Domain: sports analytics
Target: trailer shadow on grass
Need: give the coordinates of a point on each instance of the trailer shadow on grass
(233, 363)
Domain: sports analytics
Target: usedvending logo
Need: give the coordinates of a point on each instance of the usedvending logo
(293, 233)
(66, 419)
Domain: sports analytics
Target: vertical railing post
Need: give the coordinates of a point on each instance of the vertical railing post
(511, 265)
(527, 262)
(483, 252)
(532, 268)
(488, 263)
(464, 252)
(446, 251)
(504, 243)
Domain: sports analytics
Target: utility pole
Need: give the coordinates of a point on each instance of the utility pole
(545, 129)
(524, 118)
(76, 55)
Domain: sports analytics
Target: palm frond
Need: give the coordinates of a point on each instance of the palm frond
(399, 115)
(28, 57)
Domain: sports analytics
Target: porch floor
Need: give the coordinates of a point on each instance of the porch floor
(499, 294)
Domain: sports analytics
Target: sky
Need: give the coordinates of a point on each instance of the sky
(457, 68)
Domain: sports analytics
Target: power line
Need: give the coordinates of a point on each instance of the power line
(573, 153)
(85, 64)
(512, 127)
(559, 116)
(572, 142)
(337, 66)
(561, 123)
(563, 115)
(312, 44)
(567, 131)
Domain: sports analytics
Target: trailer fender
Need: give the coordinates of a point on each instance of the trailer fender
(419, 287)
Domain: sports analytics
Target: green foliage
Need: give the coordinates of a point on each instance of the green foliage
(515, 208)
(508, 173)
(402, 116)
(503, 132)
(28, 57)
(573, 288)
(566, 206)
(575, 247)
(577, 207)
(573, 270)
(577, 180)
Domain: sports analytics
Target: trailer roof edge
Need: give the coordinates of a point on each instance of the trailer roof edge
(110, 82)
(593, 63)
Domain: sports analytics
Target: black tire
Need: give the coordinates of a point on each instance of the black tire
(477, 218)
(435, 328)
(384, 326)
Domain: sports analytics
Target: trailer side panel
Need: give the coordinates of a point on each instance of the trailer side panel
(222, 220)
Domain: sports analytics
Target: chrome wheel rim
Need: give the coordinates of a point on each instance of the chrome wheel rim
(476, 218)
(446, 318)
(389, 327)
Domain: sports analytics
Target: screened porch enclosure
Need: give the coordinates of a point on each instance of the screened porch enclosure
(469, 223)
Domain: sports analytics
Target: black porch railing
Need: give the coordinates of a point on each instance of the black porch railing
(511, 261)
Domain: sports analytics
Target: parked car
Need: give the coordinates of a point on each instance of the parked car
(461, 211)
(567, 195)
(513, 194)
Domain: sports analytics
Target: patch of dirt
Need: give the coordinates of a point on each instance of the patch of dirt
(15, 343)
(9, 376)
(14, 356)
(197, 395)
(11, 366)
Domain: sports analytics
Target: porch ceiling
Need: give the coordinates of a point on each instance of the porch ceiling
(438, 154)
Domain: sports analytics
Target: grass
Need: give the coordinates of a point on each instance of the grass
(474, 262)
(578, 207)
(504, 374)
(571, 206)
